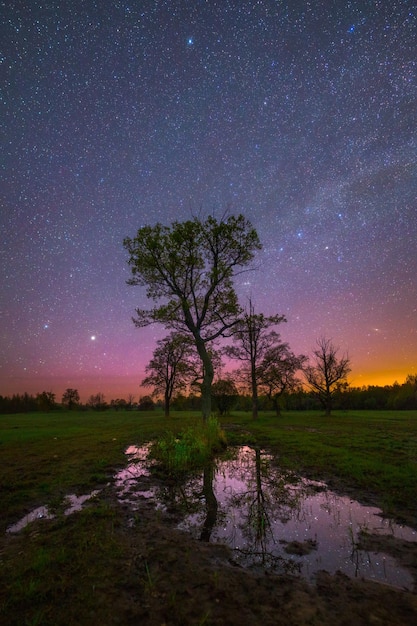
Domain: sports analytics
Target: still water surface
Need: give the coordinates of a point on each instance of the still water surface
(270, 518)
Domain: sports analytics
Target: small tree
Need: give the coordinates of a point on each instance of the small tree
(119, 403)
(277, 373)
(97, 402)
(170, 369)
(225, 394)
(189, 268)
(71, 398)
(328, 373)
(146, 403)
(253, 338)
(46, 401)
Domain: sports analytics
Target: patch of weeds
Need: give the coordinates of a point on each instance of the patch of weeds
(190, 449)
(57, 504)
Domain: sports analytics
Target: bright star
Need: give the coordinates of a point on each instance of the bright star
(93, 337)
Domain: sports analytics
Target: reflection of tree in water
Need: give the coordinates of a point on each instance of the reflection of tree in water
(268, 497)
(181, 497)
(194, 498)
(211, 503)
(256, 494)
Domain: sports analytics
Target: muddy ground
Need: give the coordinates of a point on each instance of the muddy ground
(160, 576)
(183, 581)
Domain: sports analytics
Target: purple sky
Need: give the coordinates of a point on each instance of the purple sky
(302, 116)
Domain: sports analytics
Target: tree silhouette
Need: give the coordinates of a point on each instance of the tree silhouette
(328, 373)
(190, 268)
(253, 338)
(71, 398)
(225, 394)
(277, 372)
(170, 370)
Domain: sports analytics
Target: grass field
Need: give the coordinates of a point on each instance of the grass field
(77, 569)
(45, 456)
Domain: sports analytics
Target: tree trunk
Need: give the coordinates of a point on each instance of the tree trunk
(166, 405)
(208, 375)
(277, 407)
(254, 393)
(211, 503)
(328, 405)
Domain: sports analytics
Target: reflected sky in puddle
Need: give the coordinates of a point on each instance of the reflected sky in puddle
(269, 518)
(73, 503)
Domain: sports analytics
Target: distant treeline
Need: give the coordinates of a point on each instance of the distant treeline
(395, 397)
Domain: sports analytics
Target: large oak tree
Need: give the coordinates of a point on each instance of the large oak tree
(188, 270)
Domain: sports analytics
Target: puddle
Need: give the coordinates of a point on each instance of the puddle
(126, 480)
(74, 503)
(271, 519)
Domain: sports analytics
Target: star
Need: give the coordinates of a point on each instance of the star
(141, 115)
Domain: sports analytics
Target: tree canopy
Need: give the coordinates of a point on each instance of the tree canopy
(277, 372)
(171, 367)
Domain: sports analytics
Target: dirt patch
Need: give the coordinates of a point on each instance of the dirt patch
(182, 581)
(405, 552)
(154, 574)
(300, 548)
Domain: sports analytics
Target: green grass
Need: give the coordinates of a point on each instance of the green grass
(370, 451)
(190, 449)
(70, 570)
(46, 456)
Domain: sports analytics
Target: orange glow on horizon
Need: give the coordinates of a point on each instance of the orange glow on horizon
(379, 378)
(122, 386)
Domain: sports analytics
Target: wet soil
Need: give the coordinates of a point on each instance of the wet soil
(183, 581)
(161, 576)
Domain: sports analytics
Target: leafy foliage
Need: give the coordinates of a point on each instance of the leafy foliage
(188, 269)
(225, 393)
(277, 372)
(171, 368)
(71, 398)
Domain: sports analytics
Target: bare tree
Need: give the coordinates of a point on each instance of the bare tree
(190, 268)
(328, 372)
(253, 338)
(171, 368)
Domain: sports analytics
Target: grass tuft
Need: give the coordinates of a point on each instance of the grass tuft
(190, 449)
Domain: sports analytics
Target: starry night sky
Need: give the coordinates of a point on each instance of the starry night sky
(300, 115)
